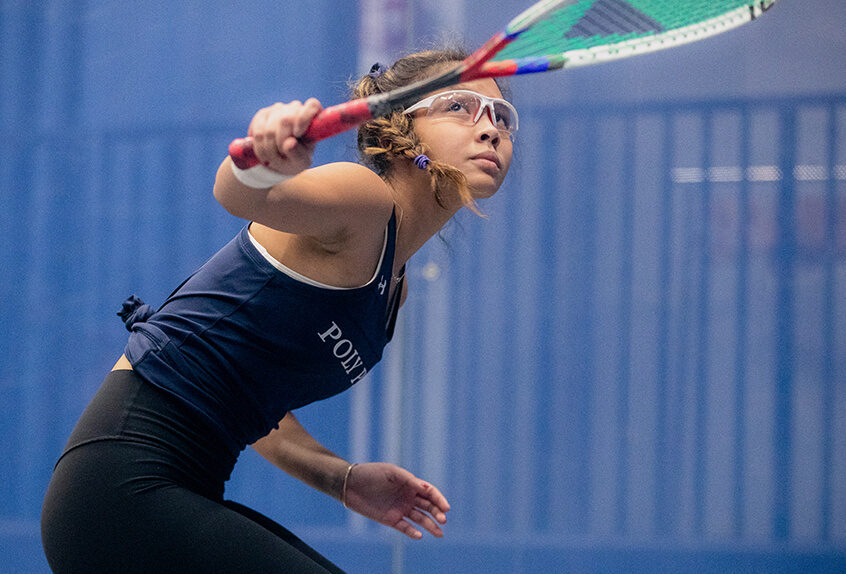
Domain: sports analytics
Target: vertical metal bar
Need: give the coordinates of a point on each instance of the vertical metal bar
(436, 355)
(526, 311)
(785, 301)
(581, 327)
(700, 465)
(663, 467)
(474, 365)
(386, 29)
(684, 334)
(589, 332)
(9, 260)
(625, 312)
(73, 52)
(67, 202)
(101, 289)
(828, 326)
(461, 475)
(30, 58)
(741, 328)
(545, 330)
(509, 372)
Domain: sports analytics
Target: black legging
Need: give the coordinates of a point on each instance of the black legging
(140, 489)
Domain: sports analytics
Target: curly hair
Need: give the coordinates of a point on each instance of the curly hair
(384, 141)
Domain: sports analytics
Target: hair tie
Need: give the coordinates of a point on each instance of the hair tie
(421, 161)
(377, 70)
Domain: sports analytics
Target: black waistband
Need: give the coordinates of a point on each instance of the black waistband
(128, 408)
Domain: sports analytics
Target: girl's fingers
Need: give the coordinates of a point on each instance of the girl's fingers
(259, 119)
(261, 130)
(275, 131)
(310, 109)
(284, 131)
(265, 149)
(434, 495)
(431, 508)
(291, 146)
(296, 152)
(407, 529)
(426, 522)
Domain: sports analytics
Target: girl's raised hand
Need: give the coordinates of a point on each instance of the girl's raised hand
(276, 131)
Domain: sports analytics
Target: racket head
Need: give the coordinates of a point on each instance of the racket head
(595, 31)
(555, 34)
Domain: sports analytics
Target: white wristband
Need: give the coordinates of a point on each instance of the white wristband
(259, 176)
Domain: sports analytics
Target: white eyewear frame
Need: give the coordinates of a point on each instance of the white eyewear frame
(487, 104)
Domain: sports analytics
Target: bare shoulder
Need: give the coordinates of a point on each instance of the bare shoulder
(335, 208)
(349, 184)
(337, 233)
(348, 170)
(355, 201)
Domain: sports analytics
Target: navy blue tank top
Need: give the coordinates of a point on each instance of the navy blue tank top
(242, 342)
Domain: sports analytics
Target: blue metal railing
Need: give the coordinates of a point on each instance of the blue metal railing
(642, 354)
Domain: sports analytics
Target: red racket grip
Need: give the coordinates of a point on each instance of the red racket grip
(329, 122)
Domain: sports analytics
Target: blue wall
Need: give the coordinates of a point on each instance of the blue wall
(636, 363)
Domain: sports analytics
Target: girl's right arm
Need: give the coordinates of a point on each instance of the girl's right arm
(326, 203)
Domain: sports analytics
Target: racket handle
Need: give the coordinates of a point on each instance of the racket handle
(242, 154)
(329, 122)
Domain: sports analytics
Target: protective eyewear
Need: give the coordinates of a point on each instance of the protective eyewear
(467, 107)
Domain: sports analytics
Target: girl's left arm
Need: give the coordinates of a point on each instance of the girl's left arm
(291, 448)
(382, 492)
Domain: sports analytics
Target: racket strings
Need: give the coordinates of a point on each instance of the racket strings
(607, 17)
(588, 24)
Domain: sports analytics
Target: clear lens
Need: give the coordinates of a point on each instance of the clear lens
(505, 117)
(465, 106)
(456, 105)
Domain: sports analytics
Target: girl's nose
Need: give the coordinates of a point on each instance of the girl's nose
(487, 130)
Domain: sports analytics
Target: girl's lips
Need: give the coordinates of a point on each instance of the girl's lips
(486, 164)
(488, 159)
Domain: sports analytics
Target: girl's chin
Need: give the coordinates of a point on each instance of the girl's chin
(483, 192)
(483, 189)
